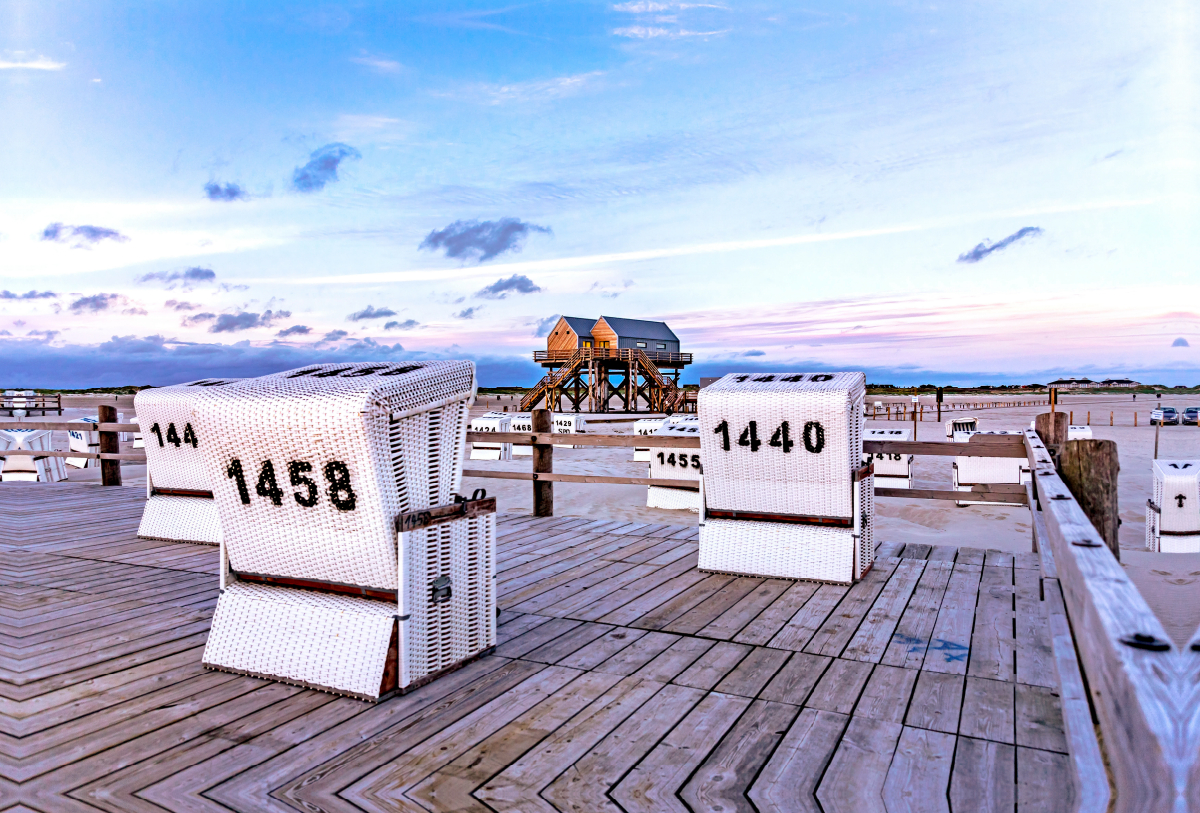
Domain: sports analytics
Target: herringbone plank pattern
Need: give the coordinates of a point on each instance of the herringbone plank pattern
(625, 680)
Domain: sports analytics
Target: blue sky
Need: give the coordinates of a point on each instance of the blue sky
(954, 193)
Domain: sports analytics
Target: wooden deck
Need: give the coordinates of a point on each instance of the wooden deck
(625, 679)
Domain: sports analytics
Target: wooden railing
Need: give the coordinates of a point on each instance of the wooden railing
(36, 403)
(1144, 688)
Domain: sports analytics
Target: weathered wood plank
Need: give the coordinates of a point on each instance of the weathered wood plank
(886, 694)
(799, 630)
(988, 712)
(796, 680)
(771, 620)
(875, 632)
(839, 688)
(936, 702)
(919, 777)
(788, 782)
(984, 777)
(854, 781)
(833, 635)
(720, 783)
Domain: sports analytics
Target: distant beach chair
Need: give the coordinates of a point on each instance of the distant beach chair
(645, 426)
(179, 502)
(785, 493)
(85, 440)
(27, 468)
(567, 423)
(492, 422)
(675, 464)
(521, 422)
(964, 424)
(1173, 513)
(891, 470)
(1079, 433)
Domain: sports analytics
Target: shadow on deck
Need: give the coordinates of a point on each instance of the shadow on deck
(624, 679)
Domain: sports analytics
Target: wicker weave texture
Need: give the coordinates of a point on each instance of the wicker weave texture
(181, 519)
(439, 635)
(300, 636)
(777, 550)
(824, 417)
(890, 465)
(672, 499)
(378, 439)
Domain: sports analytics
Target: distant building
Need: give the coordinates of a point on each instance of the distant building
(1119, 382)
(1073, 384)
(573, 332)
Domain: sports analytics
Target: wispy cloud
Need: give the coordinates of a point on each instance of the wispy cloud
(470, 19)
(658, 8)
(985, 248)
(480, 240)
(191, 276)
(1180, 342)
(467, 313)
(530, 91)
(242, 320)
(649, 32)
(322, 167)
(230, 191)
(334, 335)
(18, 62)
(378, 63)
(501, 288)
(370, 128)
(370, 312)
(28, 295)
(178, 305)
(80, 236)
(407, 324)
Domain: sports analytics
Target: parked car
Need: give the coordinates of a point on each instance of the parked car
(1167, 416)
(1191, 416)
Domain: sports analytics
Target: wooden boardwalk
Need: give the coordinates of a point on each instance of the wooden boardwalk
(625, 679)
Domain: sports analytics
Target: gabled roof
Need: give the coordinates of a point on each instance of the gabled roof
(582, 327)
(640, 329)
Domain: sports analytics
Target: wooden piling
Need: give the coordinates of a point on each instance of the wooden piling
(543, 463)
(110, 470)
(1089, 468)
(1051, 428)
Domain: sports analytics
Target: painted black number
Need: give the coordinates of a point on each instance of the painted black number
(671, 459)
(266, 486)
(340, 493)
(296, 472)
(696, 463)
(723, 430)
(189, 435)
(781, 438)
(172, 435)
(235, 471)
(662, 459)
(750, 437)
(158, 432)
(814, 437)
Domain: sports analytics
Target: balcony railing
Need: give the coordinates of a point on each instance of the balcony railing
(659, 357)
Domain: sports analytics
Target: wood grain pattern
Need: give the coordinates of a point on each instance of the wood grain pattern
(625, 680)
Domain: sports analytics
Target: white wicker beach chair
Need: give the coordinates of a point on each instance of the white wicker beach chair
(492, 422)
(674, 464)
(1079, 433)
(645, 426)
(970, 471)
(784, 492)
(891, 470)
(1173, 513)
(27, 468)
(311, 470)
(84, 440)
(179, 495)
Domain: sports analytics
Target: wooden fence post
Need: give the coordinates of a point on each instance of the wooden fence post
(110, 470)
(1089, 468)
(543, 463)
(1051, 428)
